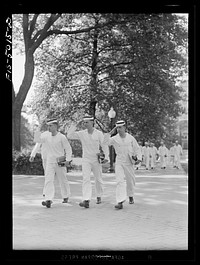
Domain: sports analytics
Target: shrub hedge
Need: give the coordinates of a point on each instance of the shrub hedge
(21, 164)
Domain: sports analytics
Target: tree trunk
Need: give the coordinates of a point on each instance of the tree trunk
(93, 83)
(19, 100)
(16, 126)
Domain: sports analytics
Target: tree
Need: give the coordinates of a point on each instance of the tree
(132, 64)
(35, 29)
(26, 135)
(31, 43)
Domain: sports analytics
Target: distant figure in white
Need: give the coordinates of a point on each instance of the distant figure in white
(155, 152)
(152, 155)
(172, 154)
(138, 165)
(177, 155)
(163, 152)
(145, 154)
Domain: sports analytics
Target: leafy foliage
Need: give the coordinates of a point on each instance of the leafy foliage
(131, 63)
(21, 164)
(26, 135)
(76, 148)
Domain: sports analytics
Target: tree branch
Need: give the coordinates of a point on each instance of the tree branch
(36, 35)
(25, 31)
(68, 32)
(32, 24)
(113, 65)
(44, 32)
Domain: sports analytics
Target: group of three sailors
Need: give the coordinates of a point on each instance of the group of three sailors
(55, 145)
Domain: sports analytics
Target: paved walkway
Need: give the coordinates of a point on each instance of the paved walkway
(157, 221)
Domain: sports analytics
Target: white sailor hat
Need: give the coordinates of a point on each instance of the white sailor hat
(51, 121)
(120, 123)
(88, 118)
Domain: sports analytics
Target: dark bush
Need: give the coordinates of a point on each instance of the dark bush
(76, 147)
(21, 164)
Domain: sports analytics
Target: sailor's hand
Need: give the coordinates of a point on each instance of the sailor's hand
(68, 163)
(134, 158)
(79, 121)
(112, 131)
(137, 162)
(64, 164)
(31, 159)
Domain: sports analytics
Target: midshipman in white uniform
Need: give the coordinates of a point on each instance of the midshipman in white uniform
(177, 155)
(126, 147)
(171, 152)
(145, 154)
(152, 155)
(138, 165)
(57, 146)
(155, 152)
(163, 152)
(91, 140)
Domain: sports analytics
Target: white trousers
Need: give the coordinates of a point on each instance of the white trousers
(172, 160)
(146, 161)
(44, 163)
(151, 161)
(138, 165)
(154, 159)
(125, 178)
(88, 167)
(177, 161)
(163, 161)
(53, 169)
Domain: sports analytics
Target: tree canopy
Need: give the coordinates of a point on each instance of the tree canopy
(128, 61)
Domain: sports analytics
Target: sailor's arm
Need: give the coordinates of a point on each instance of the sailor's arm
(38, 138)
(67, 148)
(71, 133)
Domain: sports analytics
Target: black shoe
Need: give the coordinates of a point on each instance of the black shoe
(65, 200)
(98, 200)
(47, 203)
(85, 204)
(43, 203)
(131, 200)
(119, 206)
